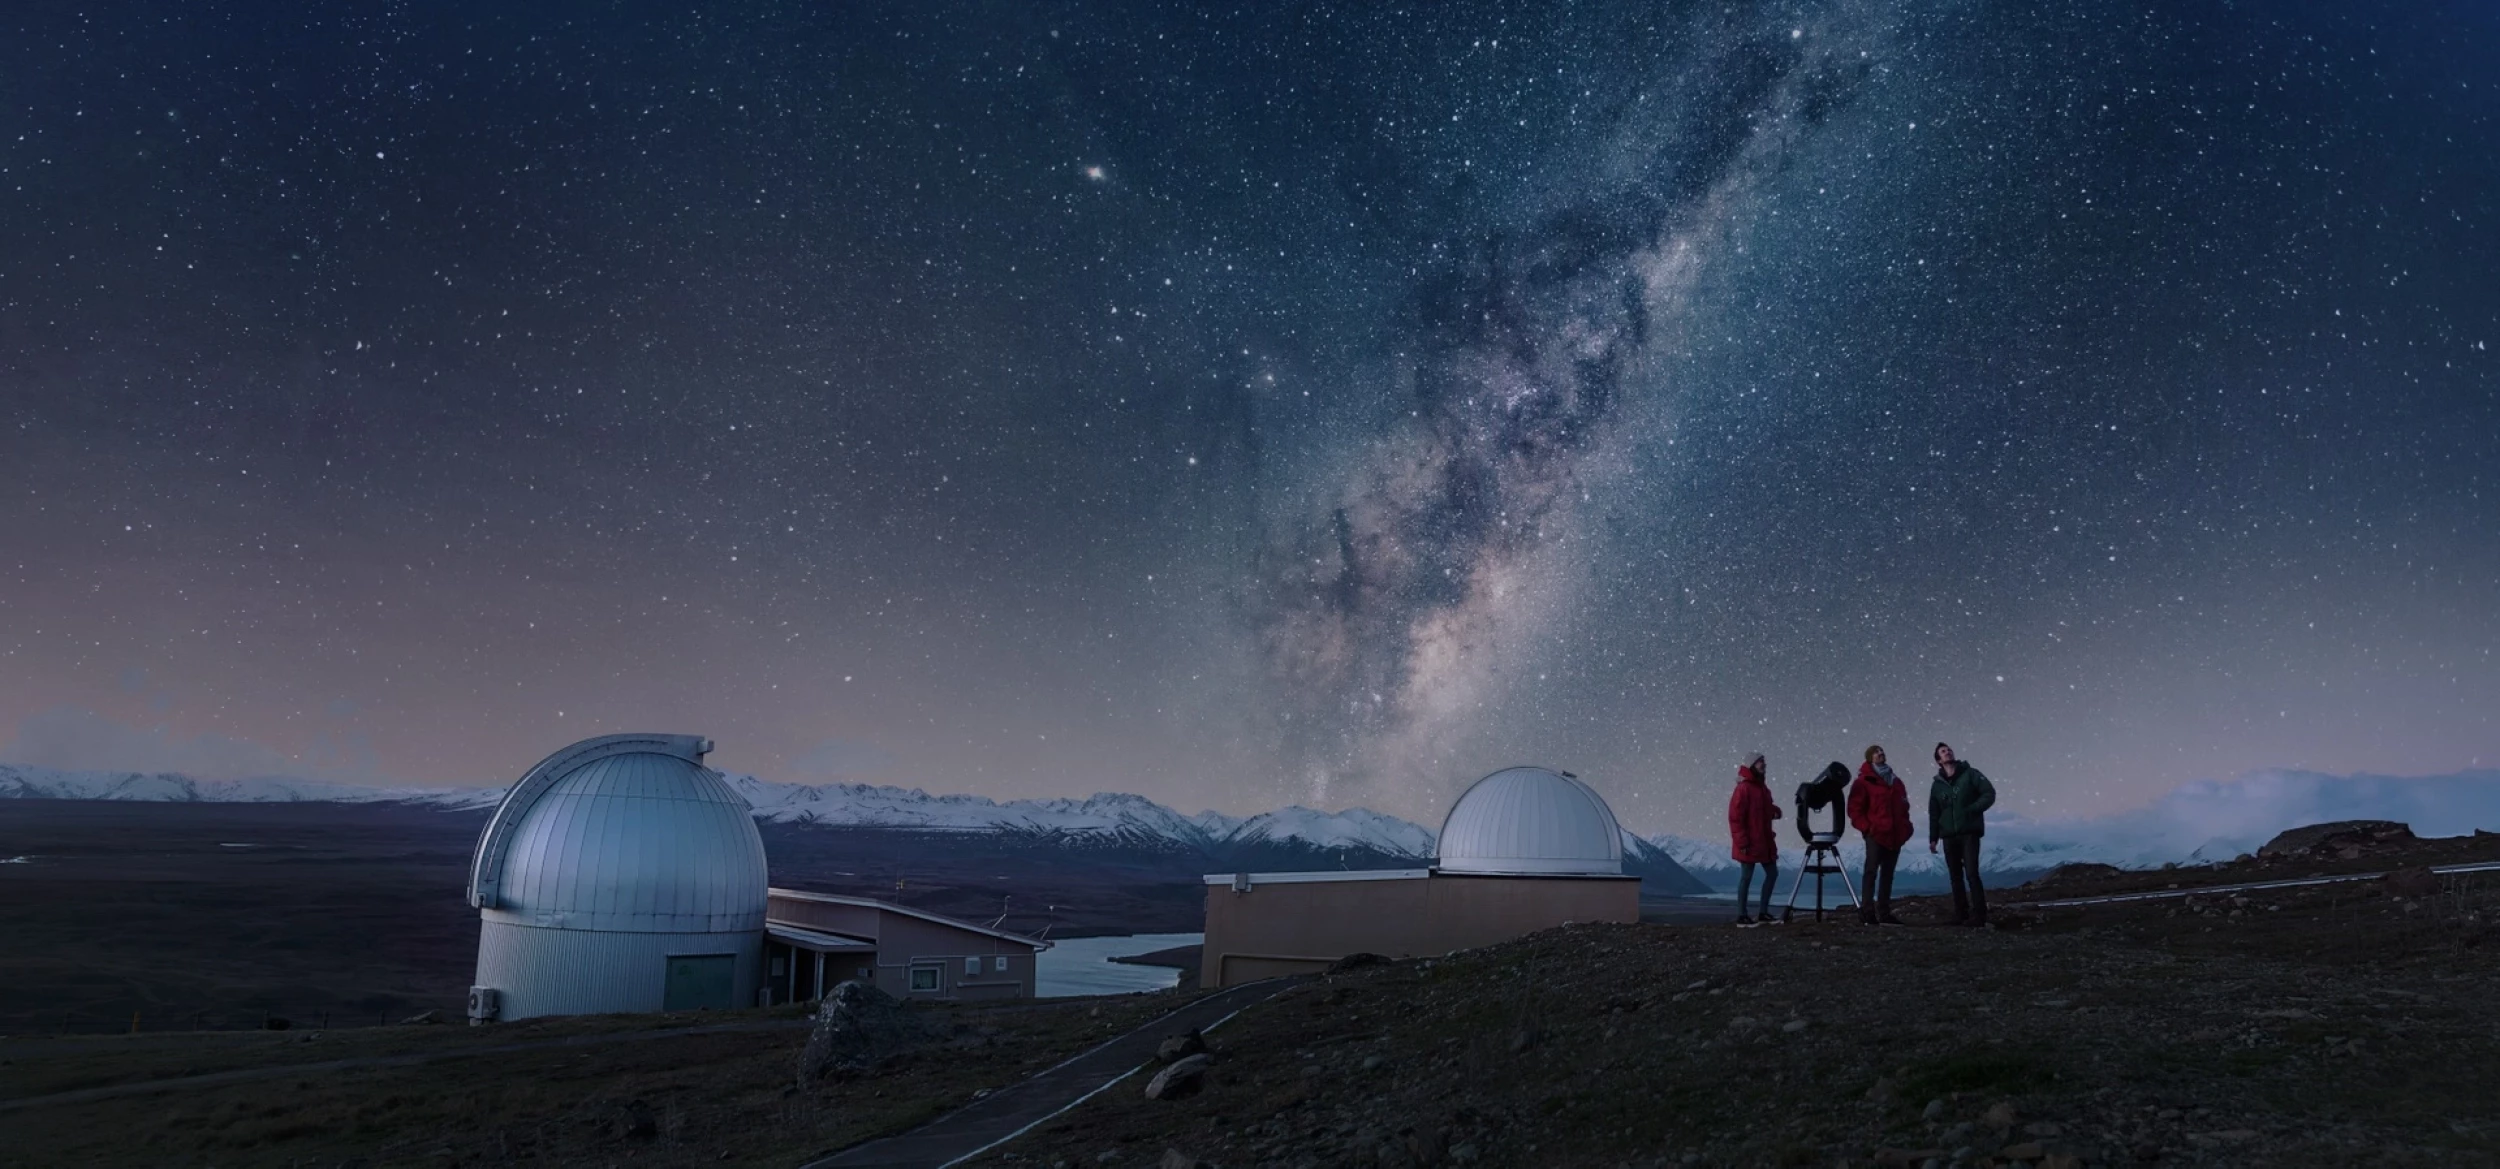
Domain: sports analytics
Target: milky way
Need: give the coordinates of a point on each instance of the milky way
(1447, 548)
(1238, 406)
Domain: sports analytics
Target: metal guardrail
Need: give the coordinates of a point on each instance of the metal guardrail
(2243, 887)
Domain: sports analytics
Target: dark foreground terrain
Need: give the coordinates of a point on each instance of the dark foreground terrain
(2348, 1024)
(2341, 1025)
(642, 1090)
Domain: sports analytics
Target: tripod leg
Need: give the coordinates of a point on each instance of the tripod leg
(1796, 886)
(1854, 899)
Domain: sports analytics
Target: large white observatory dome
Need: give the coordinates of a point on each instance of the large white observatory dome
(620, 874)
(1526, 821)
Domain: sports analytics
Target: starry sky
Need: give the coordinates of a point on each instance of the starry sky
(1299, 403)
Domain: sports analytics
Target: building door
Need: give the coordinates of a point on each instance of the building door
(701, 981)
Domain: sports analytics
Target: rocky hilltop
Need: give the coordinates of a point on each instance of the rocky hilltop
(2346, 1023)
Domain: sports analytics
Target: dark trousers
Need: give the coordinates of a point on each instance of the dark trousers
(1961, 863)
(1744, 882)
(1877, 887)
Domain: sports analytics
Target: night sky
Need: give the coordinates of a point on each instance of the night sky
(1319, 403)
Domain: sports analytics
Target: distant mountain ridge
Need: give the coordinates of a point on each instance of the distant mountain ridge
(1356, 838)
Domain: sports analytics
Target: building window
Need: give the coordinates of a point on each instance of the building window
(999, 964)
(972, 966)
(925, 977)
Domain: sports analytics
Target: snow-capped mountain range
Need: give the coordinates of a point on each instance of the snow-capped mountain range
(1108, 816)
(2204, 821)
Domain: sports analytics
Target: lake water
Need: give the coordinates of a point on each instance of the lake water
(1075, 966)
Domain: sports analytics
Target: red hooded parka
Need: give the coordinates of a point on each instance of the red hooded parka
(1880, 808)
(1749, 814)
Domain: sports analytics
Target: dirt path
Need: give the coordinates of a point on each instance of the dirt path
(276, 1071)
(1007, 1113)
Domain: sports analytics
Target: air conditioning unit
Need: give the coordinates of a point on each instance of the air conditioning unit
(485, 1004)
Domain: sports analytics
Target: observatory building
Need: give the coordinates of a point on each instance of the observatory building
(1523, 849)
(620, 874)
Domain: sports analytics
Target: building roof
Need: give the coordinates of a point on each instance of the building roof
(1531, 821)
(627, 833)
(907, 911)
(1312, 878)
(817, 940)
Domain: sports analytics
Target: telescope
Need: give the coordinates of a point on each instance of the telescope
(1827, 790)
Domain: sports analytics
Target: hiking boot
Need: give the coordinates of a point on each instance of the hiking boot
(1889, 919)
(1767, 919)
(1745, 921)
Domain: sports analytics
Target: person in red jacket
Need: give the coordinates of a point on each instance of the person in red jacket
(1751, 842)
(1879, 804)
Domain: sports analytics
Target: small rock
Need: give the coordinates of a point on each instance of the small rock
(2026, 1151)
(1742, 1023)
(1523, 1039)
(1464, 1153)
(2061, 1161)
(1310, 1071)
(2233, 1136)
(1371, 1063)
(1793, 1026)
(1883, 1091)
(2042, 1129)
(2000, 1115)
(422, 1018)
(1180, 1079)
(1934, 1109)
(1176, 1159)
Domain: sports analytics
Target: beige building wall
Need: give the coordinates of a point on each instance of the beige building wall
(1297, 924)
(967, 963)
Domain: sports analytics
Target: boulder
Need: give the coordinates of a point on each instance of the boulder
(634, 1121)
(1180, 1079)
(2338, 838)
(858, 1028)
(2417, 881)
(1356, 962)
(1175, 1048)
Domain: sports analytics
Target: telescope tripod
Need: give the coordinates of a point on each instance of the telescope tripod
(1822, 860)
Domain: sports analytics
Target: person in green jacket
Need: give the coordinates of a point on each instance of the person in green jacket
(1957, 815)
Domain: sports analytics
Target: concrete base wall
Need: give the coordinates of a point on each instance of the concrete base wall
(1290, 927)
(540, 971)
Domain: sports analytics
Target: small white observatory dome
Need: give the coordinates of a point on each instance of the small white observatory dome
(1524, 821)
(620, 874)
